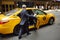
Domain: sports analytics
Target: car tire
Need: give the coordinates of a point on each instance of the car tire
(51, 21)
(16, 30)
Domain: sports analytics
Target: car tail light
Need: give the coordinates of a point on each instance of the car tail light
(3, 22)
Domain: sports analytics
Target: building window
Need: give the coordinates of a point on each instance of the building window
(10, 7)
(3, 8)
(13, 6)
(6, 7)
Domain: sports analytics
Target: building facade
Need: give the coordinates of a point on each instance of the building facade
(7, 5)
(47, 4)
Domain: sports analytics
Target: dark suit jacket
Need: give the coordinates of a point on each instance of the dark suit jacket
(24, 17)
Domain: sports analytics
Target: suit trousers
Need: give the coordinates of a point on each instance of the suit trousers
(23, 28)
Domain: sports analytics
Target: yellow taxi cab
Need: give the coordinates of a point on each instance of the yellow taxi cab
(9, 22)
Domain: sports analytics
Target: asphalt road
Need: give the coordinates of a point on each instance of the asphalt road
(48, 32)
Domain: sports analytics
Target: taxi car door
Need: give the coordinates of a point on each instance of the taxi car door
(31, 19)
(30, 12)
(41, 17)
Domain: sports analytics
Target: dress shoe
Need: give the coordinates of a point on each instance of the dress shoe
(19, 37)
(28, 33)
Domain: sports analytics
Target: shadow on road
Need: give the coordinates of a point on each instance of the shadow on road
(43, 26)
(5, 37)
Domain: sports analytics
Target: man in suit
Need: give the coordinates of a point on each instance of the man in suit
(24, 21)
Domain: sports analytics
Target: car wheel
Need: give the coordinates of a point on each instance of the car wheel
(51, 21)
(16, 30)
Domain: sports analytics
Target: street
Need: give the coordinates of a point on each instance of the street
(48, 32)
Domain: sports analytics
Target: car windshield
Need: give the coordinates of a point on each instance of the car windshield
(11, 12)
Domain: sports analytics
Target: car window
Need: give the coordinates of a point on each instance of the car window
(11, 12)
(30, 12)
(39, 12)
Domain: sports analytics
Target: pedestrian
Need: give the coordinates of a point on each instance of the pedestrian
(24, 24)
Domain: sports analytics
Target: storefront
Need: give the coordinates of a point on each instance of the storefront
(6, 6)
(46, 4)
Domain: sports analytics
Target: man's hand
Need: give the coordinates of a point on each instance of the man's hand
(34, 14)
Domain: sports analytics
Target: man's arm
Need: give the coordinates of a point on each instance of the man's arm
(29, 15)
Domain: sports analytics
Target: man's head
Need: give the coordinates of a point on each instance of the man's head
(24, 6)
